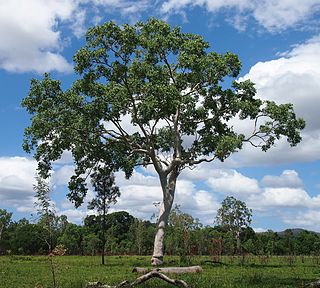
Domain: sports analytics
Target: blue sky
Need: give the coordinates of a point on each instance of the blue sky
(278, 43)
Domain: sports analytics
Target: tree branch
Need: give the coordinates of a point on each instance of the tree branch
(140, 280)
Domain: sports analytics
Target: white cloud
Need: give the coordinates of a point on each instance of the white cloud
(292, 78)
(62, 175)
(124, 7)
(273, 15)
(231, 181)
(140, 193)
(30, 40)
(286, 197)
(17, 175)
(272, 199)
(278, 15)
(172, 6)
(308, 219)
(288, 178)
(66, 158)
(74, 215)
(32, 31)
(136, 179)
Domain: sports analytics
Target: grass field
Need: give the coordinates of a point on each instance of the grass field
(75, 271)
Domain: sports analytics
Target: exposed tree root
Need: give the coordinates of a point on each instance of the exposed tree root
(140, 280)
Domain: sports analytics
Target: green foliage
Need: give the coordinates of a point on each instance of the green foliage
(233, 214)
(168, 84)
(180, 234)
(117, 224)
(106, 194)
(91, 244)
(72, 239)
(106, 191)
(5, 220)
(128, 235)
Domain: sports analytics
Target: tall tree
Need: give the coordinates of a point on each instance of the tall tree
(234, 215)
(149, 94)
(46, 210)
(106, 194)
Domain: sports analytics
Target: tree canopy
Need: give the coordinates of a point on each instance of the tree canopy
(148, 94)
(234, 215)
(168, 85)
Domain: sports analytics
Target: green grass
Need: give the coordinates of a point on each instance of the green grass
(75, 271)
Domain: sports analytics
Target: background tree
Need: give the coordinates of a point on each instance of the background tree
(234, 215)
(181, 227)
(72, 239)
(168, 87)
(106, 194)
(5, 219)
(46, 211)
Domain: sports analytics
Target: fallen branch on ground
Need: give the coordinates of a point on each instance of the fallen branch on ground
(140, 280)
(171, 270)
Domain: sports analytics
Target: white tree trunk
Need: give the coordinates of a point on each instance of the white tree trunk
(168, 188)
(238, 242)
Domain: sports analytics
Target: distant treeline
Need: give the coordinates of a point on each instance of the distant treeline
(126, 234)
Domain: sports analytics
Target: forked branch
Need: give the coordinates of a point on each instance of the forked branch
(140, 280)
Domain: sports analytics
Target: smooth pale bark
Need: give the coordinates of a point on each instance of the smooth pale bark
(171, 270)
(168, 185)
(1, 229)
(238, 242)
(141, 280)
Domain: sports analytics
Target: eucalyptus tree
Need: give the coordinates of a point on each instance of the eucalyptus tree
(149, 94)
(45, 210)
(234, 215)
(103, 182)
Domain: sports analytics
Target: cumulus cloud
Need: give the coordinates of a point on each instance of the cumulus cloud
(292, 78)
(307, 219)
(232, 182)
(30, 39)
(62, 175)
(16, 177)
(16, 183)
(284, 191)
(285, 197)
(74, 215)
(273, 15)
(125, 7)
(32, 31)
(141, 193)
(288, 178)
(278, 15)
